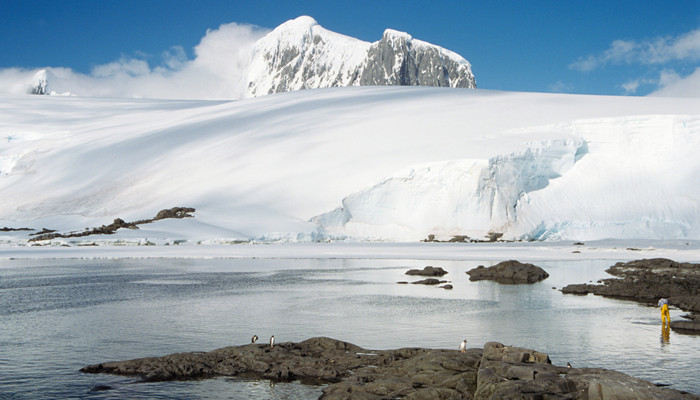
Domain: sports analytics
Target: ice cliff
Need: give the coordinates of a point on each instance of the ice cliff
(453, 198)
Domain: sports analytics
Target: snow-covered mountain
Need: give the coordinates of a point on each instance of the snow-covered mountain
(364, 163)
(300, 54)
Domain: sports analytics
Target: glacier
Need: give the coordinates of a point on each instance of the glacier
(395, 163)
(453, 198)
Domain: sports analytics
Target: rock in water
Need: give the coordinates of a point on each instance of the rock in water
(427, 271)
(648, 280)
(509, 272)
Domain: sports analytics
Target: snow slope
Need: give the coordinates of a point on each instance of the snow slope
(379, 163)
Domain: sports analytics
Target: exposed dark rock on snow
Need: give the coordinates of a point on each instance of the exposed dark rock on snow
(648, 280)
(509, 272)
(351, 372)
(42, 232)
(175, 212)
(6, 229)
(396, 59)
(427, 271)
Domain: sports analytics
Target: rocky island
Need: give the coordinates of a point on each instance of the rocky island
(648, 280)
(351, 372)
(509, 272)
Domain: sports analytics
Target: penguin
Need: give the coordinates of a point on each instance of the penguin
(254, 339)
(272, 341)
(463, 346)
(568, 365)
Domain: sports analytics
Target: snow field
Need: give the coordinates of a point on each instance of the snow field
(401, 162)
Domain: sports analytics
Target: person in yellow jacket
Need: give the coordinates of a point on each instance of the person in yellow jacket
(665, 316)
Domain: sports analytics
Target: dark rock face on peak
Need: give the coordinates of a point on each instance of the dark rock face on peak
(397, 59)
(41, 83)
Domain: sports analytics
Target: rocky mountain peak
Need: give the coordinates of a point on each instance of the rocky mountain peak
(301, 54)
(40, 84)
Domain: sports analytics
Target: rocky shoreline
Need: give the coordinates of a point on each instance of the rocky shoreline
(648, 280)
(351, 372)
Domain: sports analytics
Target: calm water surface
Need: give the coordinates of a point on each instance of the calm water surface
(57, 316)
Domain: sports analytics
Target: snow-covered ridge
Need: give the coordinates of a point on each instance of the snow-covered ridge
(473, 162)
(300, 54)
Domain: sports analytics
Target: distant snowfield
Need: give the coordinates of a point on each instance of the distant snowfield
(362, 163)
(612, 250)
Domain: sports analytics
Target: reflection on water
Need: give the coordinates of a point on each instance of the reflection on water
(665, 333)
(60, 315)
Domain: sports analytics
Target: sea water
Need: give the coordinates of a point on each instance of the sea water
(59, 315)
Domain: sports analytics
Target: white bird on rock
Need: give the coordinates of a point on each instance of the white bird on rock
(272, 342)
(463, 346)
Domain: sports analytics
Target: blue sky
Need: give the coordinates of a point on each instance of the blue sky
(589, 47)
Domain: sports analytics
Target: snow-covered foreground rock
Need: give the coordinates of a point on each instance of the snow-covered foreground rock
(379, 163)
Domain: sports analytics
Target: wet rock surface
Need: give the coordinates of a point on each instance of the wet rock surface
(509, 272)
(427, 271)
(686, 326)
(429, 281)
(351, 372)
(648, 280)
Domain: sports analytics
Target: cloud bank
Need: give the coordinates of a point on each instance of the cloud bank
(673, 85)
(218, 71)
(659, 52)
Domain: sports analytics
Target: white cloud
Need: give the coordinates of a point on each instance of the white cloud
(175, 58)
(125, 66)
(218, 71)
(560, 87)
(631, 86)
(668, 77)
(660, 50)
(673, 85)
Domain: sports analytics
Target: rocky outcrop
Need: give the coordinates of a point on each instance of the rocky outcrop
(41, 83)
(429, 281)
(118, 223)
(509, 272)
(351, 372)
(686, 326)
(648, 280)
(427, 271)
(398, 59)
(6, 229)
